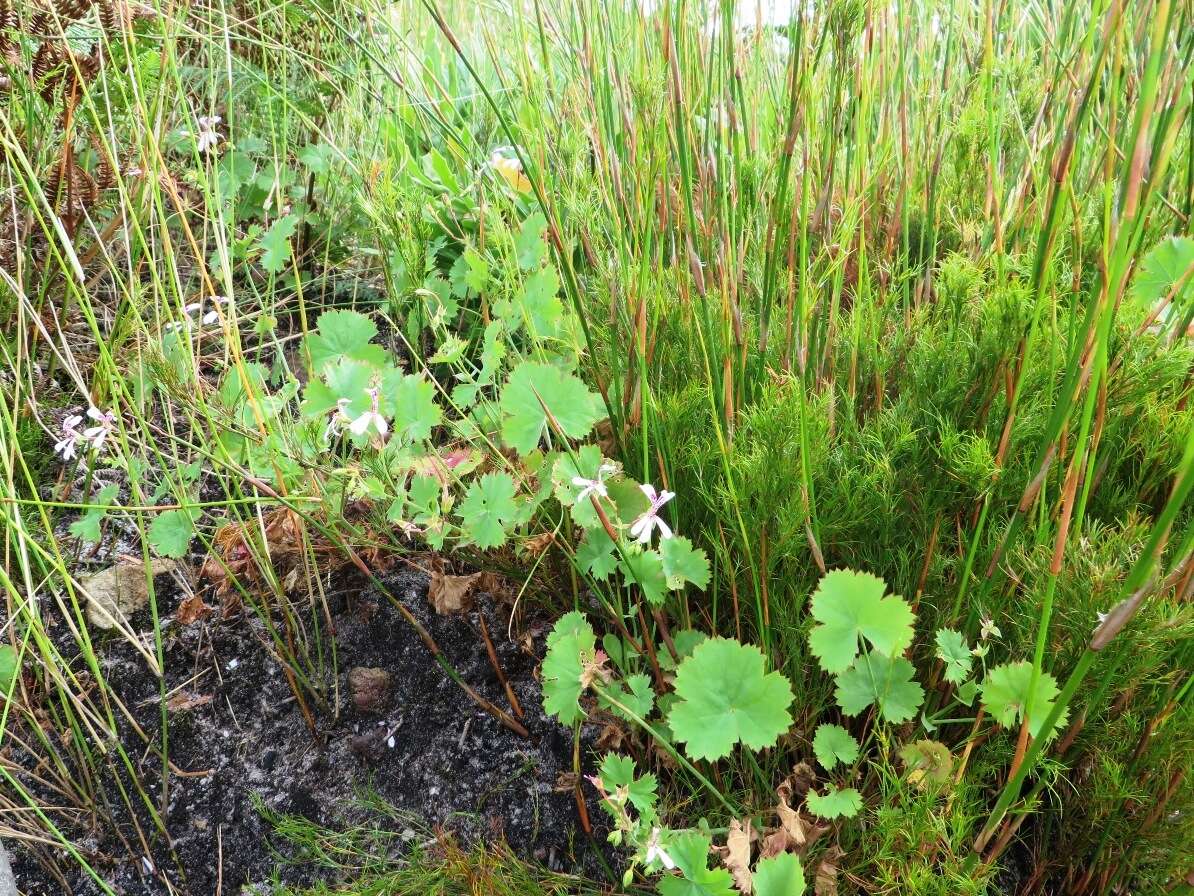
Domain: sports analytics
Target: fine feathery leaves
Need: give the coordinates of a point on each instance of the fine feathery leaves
(833, 744)
(725, 697)
(878, 679)
(848, 605)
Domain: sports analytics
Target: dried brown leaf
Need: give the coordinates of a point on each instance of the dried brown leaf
(537, 544)
(735, 855)
(826, 880)
(184, 701)
(451, 594)
(192, 610)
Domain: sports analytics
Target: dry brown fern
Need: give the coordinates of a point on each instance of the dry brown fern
(70, 190)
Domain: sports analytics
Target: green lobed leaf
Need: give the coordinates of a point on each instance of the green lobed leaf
(595, 555)
(532, 392)
(618, 773)
(848, 605)
(878, 679)
(1162, 269)
(1005, 692)
(529, 245)
(87, 527)
(275, 244)
(953, 650)
(690, 851)
(780, 875)
(725, 698)
(344, 334)
(171, 532)
(411, 399)
(570, 645)
(683, 563)
(645, 569)
(635, 695)
(834, 803)
(487, 508)
(833, 744)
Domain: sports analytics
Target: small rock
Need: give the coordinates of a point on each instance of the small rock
(115, 593)
(370, 688)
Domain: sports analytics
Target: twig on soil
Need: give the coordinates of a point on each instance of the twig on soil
(497, 668)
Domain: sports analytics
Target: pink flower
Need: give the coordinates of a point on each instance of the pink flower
(642, 528)
(70, 437)
(105, 425)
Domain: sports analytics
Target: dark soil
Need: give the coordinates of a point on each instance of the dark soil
(428, 750)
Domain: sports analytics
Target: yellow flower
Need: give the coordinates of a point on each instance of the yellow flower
(511, 171)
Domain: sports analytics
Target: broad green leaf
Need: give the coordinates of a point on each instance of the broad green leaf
(1005, 696)
(542, 310)
(725, 698)
(411, 399)
(968, 691)
(529, 245)
(780, 875)
(584, 463)
(275, 244)
(87, 527)
(171, 532)
(9, 666)
(834, 803)
(1162, 269)
(683, 563)
(690, 852)
(469, 274)
(570, 645)
(833, 744)
(878, 679)
(487, 507)
(849, 605)
(953, 650)
(344, 334)
(645, 569)
(535, 390)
